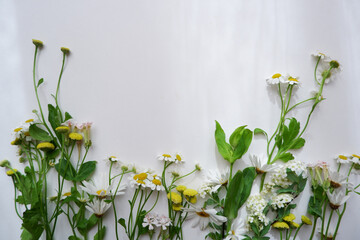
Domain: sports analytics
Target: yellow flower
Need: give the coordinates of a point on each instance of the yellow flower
(193, 200)
(62, 129)
(156, 182)
(11, 172)
(280, 225)
(306, 220)
(294, 224)
(140, 176)
(289, 218)
(181, 188)
(37, 43)
(176, 207)
(175, 197)
(190, 192)
(65, 50)
(45, 146)
(75, 136)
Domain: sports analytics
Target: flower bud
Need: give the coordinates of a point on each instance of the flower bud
(5, 163)
(65, 50)
(37, 43)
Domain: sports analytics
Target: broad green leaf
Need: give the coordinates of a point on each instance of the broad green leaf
(224, 148)
(67, 116)
(39, 134)
(297, 143)
(32, 221)
(265, 230)
(259, 131)
(92, 221)
(65, 169)
(53, 154)
(294, 128)
(255, 229)
(249, 175)
(285, 157)
(314, 207)
(122, 223)
(235, 137)
(86, 169)
(291, 175)
(243, 145)
(26, 235)
(40, 82)
(100, 234)
(53, 117)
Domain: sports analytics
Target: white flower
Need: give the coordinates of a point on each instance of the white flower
(237, 230)
(204, 216)
(178, 158)
(338, 180)
(324, 67)
(281, 200)
(216, 179)
(101, 188)
(166, 157)
(275, 79)
(155, 183)
(321, 55)
(162, 221)
(98, 207)
(292, 80)
(345, 159)
(337, 198)
(146, 180)
(257, 162)
(280, 176)
(204, 189)
(149, 220)
(255, 206)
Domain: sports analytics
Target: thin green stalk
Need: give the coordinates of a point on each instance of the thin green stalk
(314, 227)
(339, 221)
(317, 64)
(323, 219)
(297, 230)
(299, 103)
(280, 234)
(329, 221)
(58, 87)
(15, 197)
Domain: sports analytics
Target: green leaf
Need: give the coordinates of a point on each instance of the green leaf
(235, 137)
(297, 143)
(224, 148)
(85, 171)
(54, 118)
(285, 157)
(53, 154)
(243, 145)
(100, 234)
(265, 230)
(314, 207)
(74, 238)
(39, 134)
(291, 175)
(65, 169)
(238, 192)
(255, 229)
(26, 235)
(40, 82)
(294, 128)
(92, 221)
(32, 221)
(259, 131)
(122, 223)
(67, 116)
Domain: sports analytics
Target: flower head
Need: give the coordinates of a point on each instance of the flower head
(62, 129)
(280, 225)
(5, 163)
(75, 136)
(65, 50)
(237, 230)
(11, 172)
(289, 218)
(276, 79)
(45, 146)
(216, 179)
(306, 220)
(101, 187)
(337, 198)
(181, 188)
(98, 207)
(174, 197)
(37, 43)
(257, 162)
(204, 216)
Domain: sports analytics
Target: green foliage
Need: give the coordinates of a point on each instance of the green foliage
(214, 236)
(100, 234)
(282, 212)
(316, 201)
(40, 82)
(67, 116)
(259, 131)
(32, 221)
(39, 134)
(85, 171)
(84, 225)
(240, 141)
(121, 221)
(65, 169)
(238, 192)
(298, 183)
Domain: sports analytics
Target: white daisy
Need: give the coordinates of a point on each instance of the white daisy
(98, 207)
(204, 216)
(162, 221)
(275, 79)
(155, 183)
(149, 220)
(178, 158)
(237, 230)
(323, 70)
(338, 180)
(321, 55)
(257, 162)
(345, 159)
(101, 187)
(216, 179)
(166, 157)
(337, 198)
(292, 80)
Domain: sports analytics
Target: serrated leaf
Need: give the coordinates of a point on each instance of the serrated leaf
(39, 134)
(224, 148)
(297, 143)
(86, 169)
(285, 157)
(40, 82)
(53, 117)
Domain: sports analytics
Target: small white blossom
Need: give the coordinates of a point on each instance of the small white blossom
(203, 216)
(281, 200)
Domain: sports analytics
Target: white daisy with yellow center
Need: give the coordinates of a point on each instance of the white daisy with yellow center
(101, 188)
(237, 231)
(275, 79)
(203, 216)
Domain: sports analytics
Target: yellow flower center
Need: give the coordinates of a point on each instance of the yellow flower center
(190, 192)
(342, 157)
(357, 156)
(156, 182)
(29, 120)
(232, 232)
(276, 75)
(181, 188)
(67, 194)
(112, 157)
(178, 157)
(45, 146)
(202, 214)
(293, 79)
(101, 192)
(11, 172)
(176, 207)
(166, 155)
(140, 176)
(17, 129)
(140, 181)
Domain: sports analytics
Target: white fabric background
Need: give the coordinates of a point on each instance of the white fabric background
(154, 75)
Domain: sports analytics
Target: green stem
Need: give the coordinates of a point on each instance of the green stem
(323, 219)
(329, 221)
(339, 221)
(297, 230)
(314, 227)
(58, 86)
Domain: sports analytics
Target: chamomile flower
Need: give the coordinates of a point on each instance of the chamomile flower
(258, 163)
(292, 80)
(216, 179)
(237, 230)
(323, 69)
(203, 216)
(156, 183)
(337, 198)
(275, 79)
(178, 158)
(101, 187)
(166, 157)
(344, 159)
(338, 180)
(98, 207)
(205, 189)
(320, 55)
